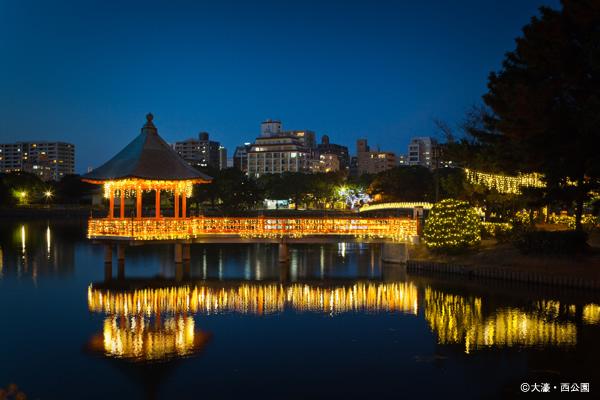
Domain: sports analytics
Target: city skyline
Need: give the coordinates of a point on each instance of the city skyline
(224, 68)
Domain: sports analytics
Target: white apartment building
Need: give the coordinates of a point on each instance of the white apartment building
(276, 155)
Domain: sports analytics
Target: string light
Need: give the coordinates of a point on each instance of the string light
(504, 183)
(395, 205)
(130, 186)
(189, 228)
(452, 224)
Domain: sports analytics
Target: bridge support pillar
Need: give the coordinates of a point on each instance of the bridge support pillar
(283, 253)
(107, 254)
(107, 271)
(187, 270)
(186, 252)
(394, 253)
(121, 252)
(178, 272)
(121, 270)
(178, 253)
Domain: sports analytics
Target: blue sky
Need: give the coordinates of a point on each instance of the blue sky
(87, 72)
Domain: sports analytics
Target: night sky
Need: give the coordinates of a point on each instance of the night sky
(88, 72)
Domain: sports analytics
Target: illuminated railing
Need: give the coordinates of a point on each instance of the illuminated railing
(396, 206)
(188, 228)
(459, 320)
(256, 299)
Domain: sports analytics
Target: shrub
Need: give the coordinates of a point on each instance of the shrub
(497, 230)
(452, 225)
(557, 242)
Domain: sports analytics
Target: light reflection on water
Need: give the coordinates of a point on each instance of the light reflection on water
(150, 316)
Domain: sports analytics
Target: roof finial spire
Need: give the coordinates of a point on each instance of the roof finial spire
(149, 126)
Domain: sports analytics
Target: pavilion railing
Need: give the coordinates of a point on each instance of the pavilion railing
(258, 227)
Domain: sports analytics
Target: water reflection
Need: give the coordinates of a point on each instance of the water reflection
(259, 299)
(29, 250)
(139, 338)
(459, 320)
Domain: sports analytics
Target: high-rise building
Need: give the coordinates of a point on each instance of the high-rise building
(373, 162)
(222, 157)
(325, 147)
(240, 157)
(278, 154)
(423, 151)
(48, 160)
(201, 152)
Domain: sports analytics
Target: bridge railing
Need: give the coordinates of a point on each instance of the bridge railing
(258, 227)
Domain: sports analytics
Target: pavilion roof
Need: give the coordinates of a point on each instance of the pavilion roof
(149, 157)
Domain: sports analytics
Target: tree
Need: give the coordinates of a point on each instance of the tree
(546, 97)
(414, 183)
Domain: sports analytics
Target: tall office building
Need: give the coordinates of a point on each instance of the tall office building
(373, 162)
(240, 157)
(48, 160)
(222, 157)
(201, 152)
(325, 147)
(423, 151)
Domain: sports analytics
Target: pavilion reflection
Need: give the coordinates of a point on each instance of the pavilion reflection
(139, 338)
(461, 320)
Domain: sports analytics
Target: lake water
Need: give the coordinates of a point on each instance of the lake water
(334, 323)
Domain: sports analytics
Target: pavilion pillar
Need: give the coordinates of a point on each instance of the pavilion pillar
(183, 206)
(122, 208)
(138, 203)
(111, 204)
(176, 201)
(157, 205)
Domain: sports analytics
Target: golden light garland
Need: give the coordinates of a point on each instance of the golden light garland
(130, 186)
(257, 299)
(504, 183)
(395, 205)
(260, 227)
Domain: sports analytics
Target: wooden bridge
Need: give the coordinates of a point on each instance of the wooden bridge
(273, 229)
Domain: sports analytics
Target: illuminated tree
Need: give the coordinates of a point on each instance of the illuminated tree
(452, 225)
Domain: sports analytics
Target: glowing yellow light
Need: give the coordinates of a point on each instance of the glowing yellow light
(504, 183)
(130, 186)
(139, 339)
(260, 227)
(48, 194)
(458, 319)
(257, 299)
(395, 205)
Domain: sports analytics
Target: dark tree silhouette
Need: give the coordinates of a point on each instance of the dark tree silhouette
(546, 98)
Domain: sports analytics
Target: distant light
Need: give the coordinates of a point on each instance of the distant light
(48, 194)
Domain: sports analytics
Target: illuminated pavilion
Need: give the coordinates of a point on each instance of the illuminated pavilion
(148, 163)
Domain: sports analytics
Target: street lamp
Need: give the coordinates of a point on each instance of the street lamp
(48, 195)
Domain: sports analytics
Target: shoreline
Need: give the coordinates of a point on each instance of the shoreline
(503, 261)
